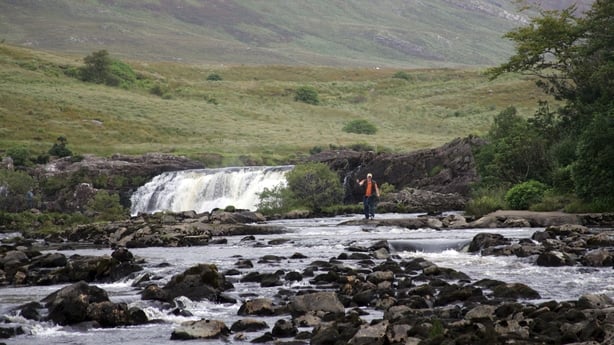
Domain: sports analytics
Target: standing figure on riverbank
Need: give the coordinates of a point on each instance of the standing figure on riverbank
(371, 191)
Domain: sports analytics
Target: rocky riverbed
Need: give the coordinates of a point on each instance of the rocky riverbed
(420, 302)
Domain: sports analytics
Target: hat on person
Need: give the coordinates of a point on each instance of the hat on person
(369, 175)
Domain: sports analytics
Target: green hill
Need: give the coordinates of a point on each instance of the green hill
(410, 68)
(251, 115)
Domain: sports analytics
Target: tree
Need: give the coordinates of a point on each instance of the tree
(545, 48)
(315, 186)
(14, 190)
(59, 149)
(592, 172)
(19, 154)
(106, 206)
(97, 67)
(515, 152)
(574, 59)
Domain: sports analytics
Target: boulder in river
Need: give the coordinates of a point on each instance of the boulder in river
(80, 302)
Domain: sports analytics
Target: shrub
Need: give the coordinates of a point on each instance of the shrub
(19, 154)
(435, 170)
(106, 206)
(362, 147)
(275, 200)
(100, 68)
(594, 206)
(59, 149)
(307, 94)
(158, 90)
(402, 75)
(386, 188)
(315, 149)
(122, 73)
(483, 205)
(214, 77)
(360, 127)
(525, 194)
(14, 189)
(484, 201)
(552, 202)
(43, 158)
(314, 186)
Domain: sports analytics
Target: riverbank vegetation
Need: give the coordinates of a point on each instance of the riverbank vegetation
(558, 158)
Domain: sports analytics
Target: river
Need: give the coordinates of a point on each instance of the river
(317, 239)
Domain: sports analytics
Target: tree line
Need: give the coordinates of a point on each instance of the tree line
(564, 157)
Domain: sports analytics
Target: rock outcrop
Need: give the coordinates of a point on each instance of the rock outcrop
(449, 169)
(25, 266)
(121, 174)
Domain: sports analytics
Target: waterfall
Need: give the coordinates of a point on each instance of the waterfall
(202, 190)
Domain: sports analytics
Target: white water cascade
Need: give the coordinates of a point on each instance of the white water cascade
(202, 190)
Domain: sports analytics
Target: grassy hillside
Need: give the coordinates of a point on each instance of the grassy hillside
(349, 33)
(250, 117)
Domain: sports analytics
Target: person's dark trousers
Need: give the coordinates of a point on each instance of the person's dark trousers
(369, 206)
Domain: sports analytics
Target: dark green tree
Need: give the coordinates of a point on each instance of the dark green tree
(573, 56)
(593, 171)
(97, 68)
(515, 152)
(59, 149)
(315, 186)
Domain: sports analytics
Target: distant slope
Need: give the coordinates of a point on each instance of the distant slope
(395, 33)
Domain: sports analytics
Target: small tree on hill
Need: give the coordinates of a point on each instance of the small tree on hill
(100, 68)
(59, 149)
(97, 67)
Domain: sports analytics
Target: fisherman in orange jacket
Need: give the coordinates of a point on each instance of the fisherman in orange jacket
(371, 190)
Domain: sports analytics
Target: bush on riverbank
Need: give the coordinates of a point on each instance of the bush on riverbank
(313, 186)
